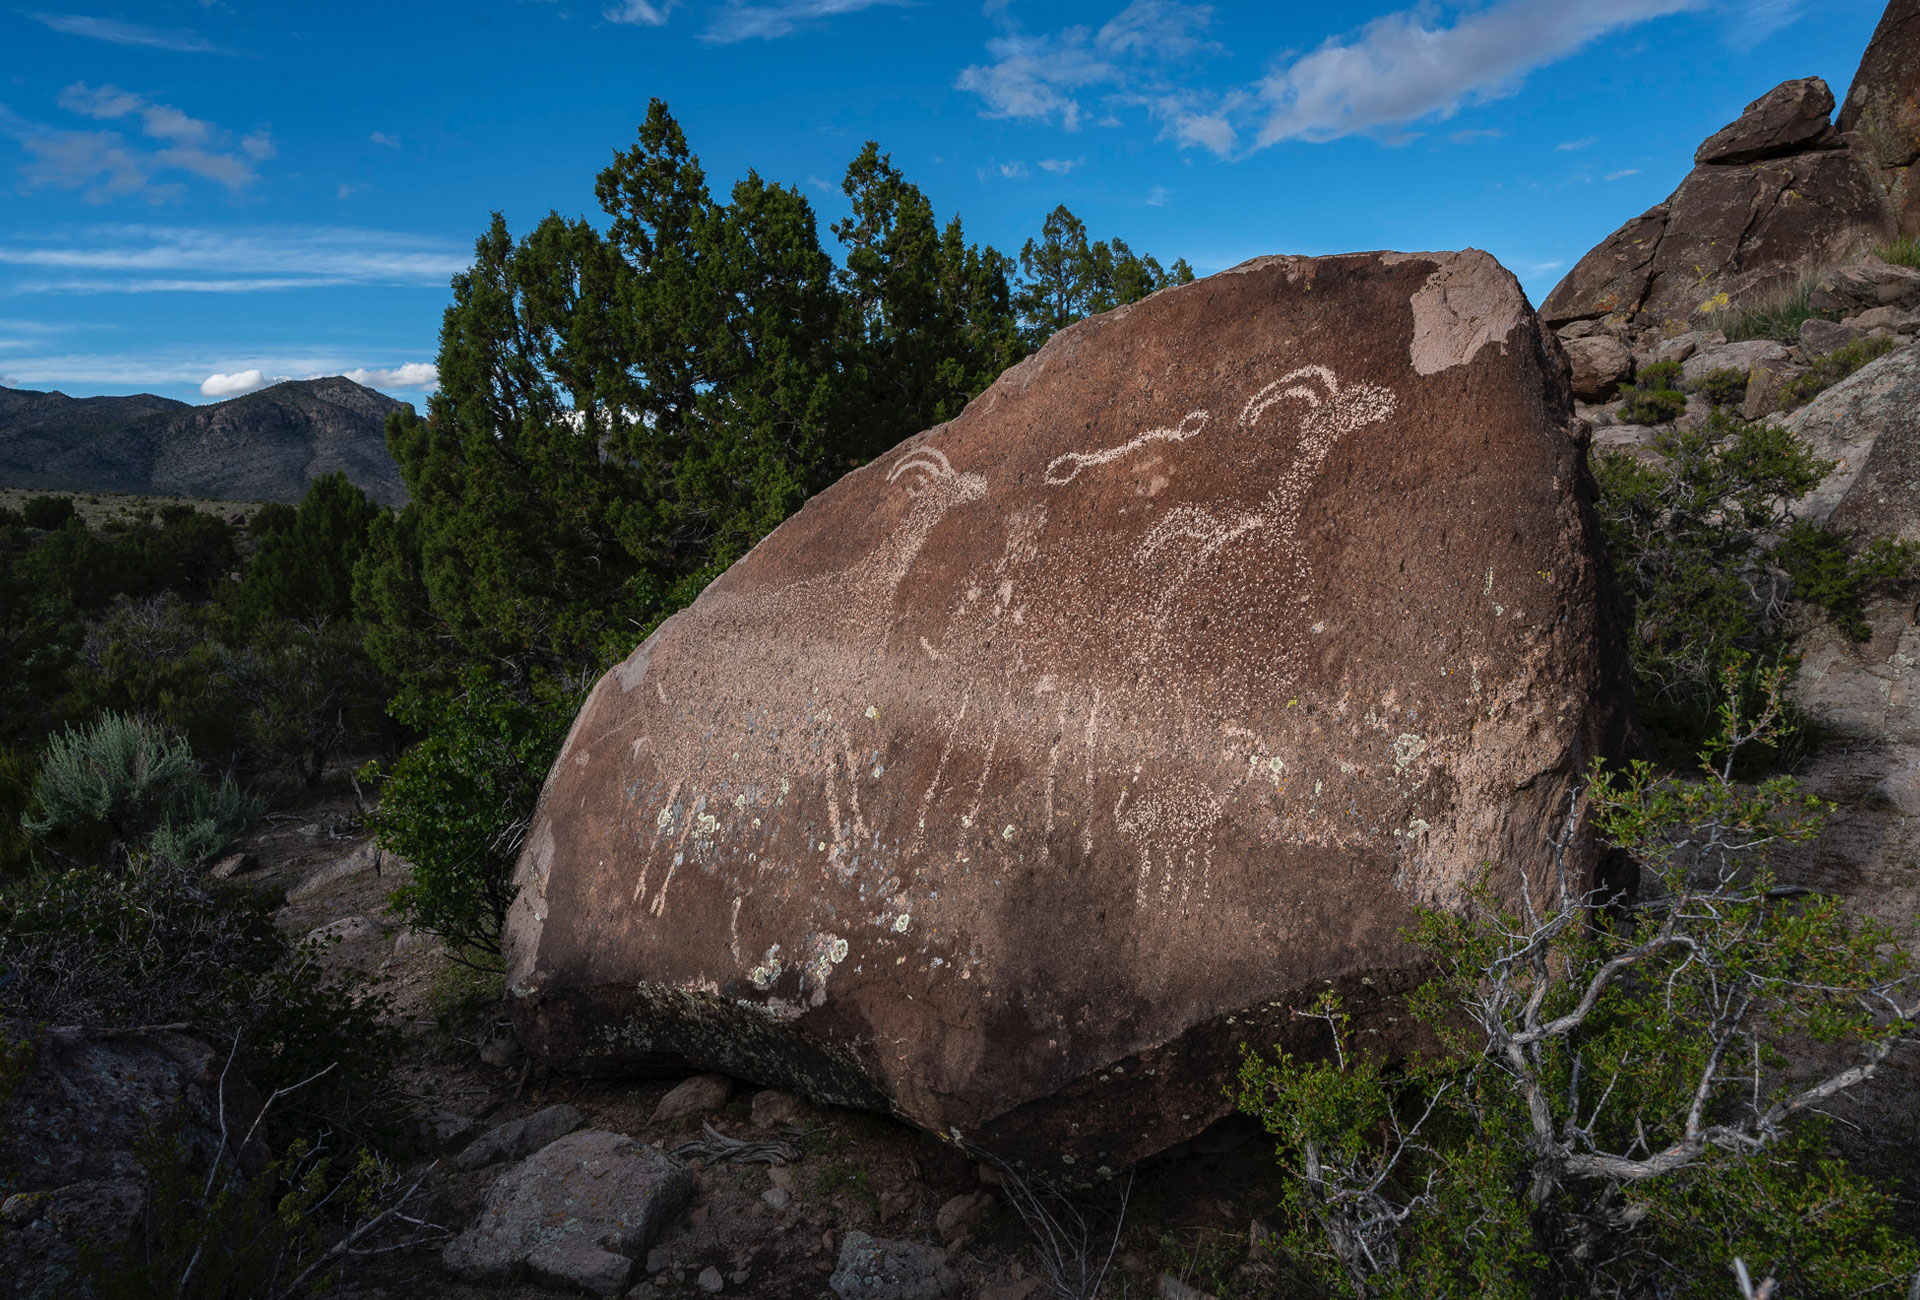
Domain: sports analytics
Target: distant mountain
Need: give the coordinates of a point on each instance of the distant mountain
(266, 446)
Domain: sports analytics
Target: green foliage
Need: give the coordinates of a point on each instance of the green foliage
(1725, 386)
(1614, 1107)
(1779, 319)
(47, 512)
(1904, 251)
(1643, 405)
(1713, 565)
(17, 772)
(204, 821)
(457, 805)
(1831, 369)
(305, 691)
(1656, 375)
(1065, 278)
(302, 569)
(122, 773)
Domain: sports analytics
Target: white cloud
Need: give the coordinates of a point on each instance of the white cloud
(119, 33)
(1013, 171)
(1751, 21)
(414, 374)
(1061, 166)
(105, 166)
(747, 20)
(238, 384)
(1130, 61)
(1623, 173)
(641, 13)
(169, 259)
(1157, 196)
(1411, 65)
(1574, 146)
(382, 138)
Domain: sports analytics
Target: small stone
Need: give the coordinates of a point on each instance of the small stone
(345, 930)
(520, 1137)
(739, 1276)
(659, 1260)
(448, 1127)
(780, 1176)
(710, 1280)
(576, 1262)
(771, 1106)
(894, 1204)
(500, 1049)
(1823, 336)
(411, 941)
(777, 1198)
(874, 1269)
(697, 1216)
(234, 864)
(1172, 1288)
(363, 861)
(1600, 365)
(700, 1095)
(962, 1212)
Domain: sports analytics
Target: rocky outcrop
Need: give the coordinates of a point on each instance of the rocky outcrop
(72, 1129)
(1774, 198)
(1881, 118)
(1032, 768)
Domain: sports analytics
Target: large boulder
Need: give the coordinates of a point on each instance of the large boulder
(1881, 117)
(1868, 424)
(1771, 200)
(1037, 765)
(1793, 116)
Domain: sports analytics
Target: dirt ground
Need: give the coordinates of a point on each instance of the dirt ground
(1189, 1215)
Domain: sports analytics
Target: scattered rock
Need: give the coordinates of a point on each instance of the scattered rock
(893, 1204)
(962, 1212)
(1864, 282)
(710, 1280)
(447, 1128)
(1898, 320)
(411, 941)
(1870, 424)
(701, 1095)
(777, 1198)
(234, 864)
(772, 1106)
(1600, 365)
(500, 1048)
(1679, 349)
(561, 1212)
(1794, 115)
(873, 1268)
(1116, 709)
(363, 861)
(521, 1137)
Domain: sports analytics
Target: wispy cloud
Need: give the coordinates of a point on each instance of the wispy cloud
(1754, 21)
(1061, 166)
(119, 33)
(105, 165)
(1083, 73)
(1623, 173)
(749, 20)
(202, 368)
(1574, 146)
(384, 140)
(172, 259)
(1013, 171)
(641, 13)
(1412, 65)
(1157, 196)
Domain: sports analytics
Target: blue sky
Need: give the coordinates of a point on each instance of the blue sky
(198, 196)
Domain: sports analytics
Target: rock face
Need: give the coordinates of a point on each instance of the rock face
(1869, 423)
(1881, 117)
(1033, 767)
(1776, 196)
(1600, 365)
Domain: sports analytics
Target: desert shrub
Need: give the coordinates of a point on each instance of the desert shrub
(1904, 251)
(306, 691)
(205, 821)
(1617, 1101)
(123, 773)
(1779, 319)
(1713, 565)
(1643, 405)
(457, 805)
(1831, 369)
(1725, 386)
(47, 512)
(1661, 375)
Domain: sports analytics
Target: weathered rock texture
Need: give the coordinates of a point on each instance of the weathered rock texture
(71, 1132)
(1869, 425)
(1881, 117)
(1774, 197)
(1033, 767)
